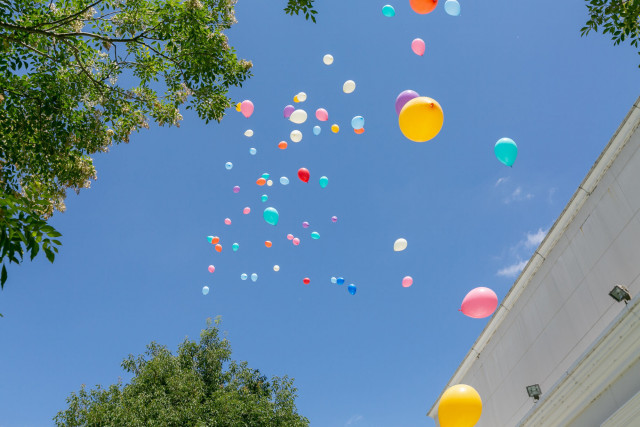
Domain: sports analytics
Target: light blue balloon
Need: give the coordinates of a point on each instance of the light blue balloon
(452, 7)
(317, 130)
(340, 281)
(357, 122)
(284, 180)
(324, 181)
(228, 165)
(264, 198)
(388, 11)
(334, 280)
(205, 290)
(352, 289)
(243, 276)
(253, 151)
(506, 151)
(315, 235)
(265, 176)
(235, 247)
(254, 277)
(271, 216)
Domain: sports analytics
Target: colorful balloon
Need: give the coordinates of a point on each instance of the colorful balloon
(236, 189)
(334, 280)
(248, 133)
(407, 281)
(352, 289)
(227, 221)
(388, 11)
(301, 97)
(315, 235)
(296, 241)
(335, 128)
(317, 130)
(324, 181)
(205, 290)
(239, 107)
(276, 268)
(423, 6)
(506, 151)
(254, 277)
(214, 240)
(228, 165)
(322, 114)
(209, 239)
(252, 151)
(211, 269)
(264, 198)
(246, 108)
(288, 110)
(334, 219)
(459, 406)
(357, 122)
(246, 210)
(303, 174)
(421, 119)
(268, 243)
(359, 131)
(282, 145)
(418, 47)
(265, 175)
(290, 236)
(269, 183)
(306, 280)
(305, 224)
(349, 86)
(452, 7)
(218, 247)
(403, 98)
(340, 281)
(235, 247)
(400, 245)
(284, 180)
(298, 117)
(261, 181)
(243, 276)
(295, 135)
(479, 303)
(327, 59)
(271, 216)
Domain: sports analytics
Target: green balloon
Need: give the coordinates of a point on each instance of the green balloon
(324, 181)
(506, 151)
(315, 235)
(271, 216)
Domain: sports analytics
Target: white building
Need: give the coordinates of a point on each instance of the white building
(558, 326)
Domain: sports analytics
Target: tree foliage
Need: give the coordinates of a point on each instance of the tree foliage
(620, 18)
(77, 76)
(199, 386)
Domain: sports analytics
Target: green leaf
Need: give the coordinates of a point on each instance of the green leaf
(4, 276)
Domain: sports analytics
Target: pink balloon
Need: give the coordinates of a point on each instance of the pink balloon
(479, 303)
(246, 108)
(290, 236)
(288, 110)
(246, 210)
(305, 224)
(322, 115)
(418, 47)
(227, 221)
(403, 98)
(407, 281)
(334, 219)
(236, 189)
(296, 241)
(211, 269)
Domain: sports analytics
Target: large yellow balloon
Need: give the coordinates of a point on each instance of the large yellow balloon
(460, 406)
(421, 119)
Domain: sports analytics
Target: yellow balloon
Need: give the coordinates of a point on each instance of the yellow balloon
(335, 128)
(459, 406)
(238, 105)
(295, 99)
(421, 119)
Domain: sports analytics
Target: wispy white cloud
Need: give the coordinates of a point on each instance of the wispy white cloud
(518, 195)
(501, 181)
(353, 420)
(512, 270)
(534, 239)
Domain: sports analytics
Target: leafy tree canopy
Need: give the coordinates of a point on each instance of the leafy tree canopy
(77, 76)
(199, 386)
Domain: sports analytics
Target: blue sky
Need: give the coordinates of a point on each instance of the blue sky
(135, 254)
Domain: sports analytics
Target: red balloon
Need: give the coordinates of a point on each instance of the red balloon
(303, 174)
(306, 280)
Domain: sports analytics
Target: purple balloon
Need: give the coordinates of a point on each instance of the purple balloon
(236, 189)
(288, 110)
(334, 219)
(403, 98)
(305, 224)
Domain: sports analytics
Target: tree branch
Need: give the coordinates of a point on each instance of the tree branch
(69, 17)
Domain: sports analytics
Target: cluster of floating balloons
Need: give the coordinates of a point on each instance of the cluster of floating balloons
(352, 289)
(398, 246)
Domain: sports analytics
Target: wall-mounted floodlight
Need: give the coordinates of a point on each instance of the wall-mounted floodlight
(620, 293)
(534, 391)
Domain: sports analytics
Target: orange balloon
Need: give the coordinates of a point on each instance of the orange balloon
(359, 131)
(219, 248)
(423, 6)
(261, 181)
(282, 145)
(268, 243)
(215, 240)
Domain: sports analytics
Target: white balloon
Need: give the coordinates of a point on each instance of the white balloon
(400, 245)
(327, 59)
(276, 268)
(349, 86)
(254, 277)
(298, 116)
(205, 290)
(248, 133)
(301, 97)
(296, 136)
(269, 183)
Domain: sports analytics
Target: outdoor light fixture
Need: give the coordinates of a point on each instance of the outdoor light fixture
(620, 293)
(534, 391)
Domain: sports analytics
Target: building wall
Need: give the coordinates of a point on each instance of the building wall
(564, 306)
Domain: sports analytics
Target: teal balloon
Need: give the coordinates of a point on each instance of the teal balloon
(506, 151)
(209, 239)
(388, 11)
(324, 181)
(235, 247)
(452, 7)
(317, 130)
(265, 176)
(264, 198)
(271, 216)
(315, 235)
(352, 289)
